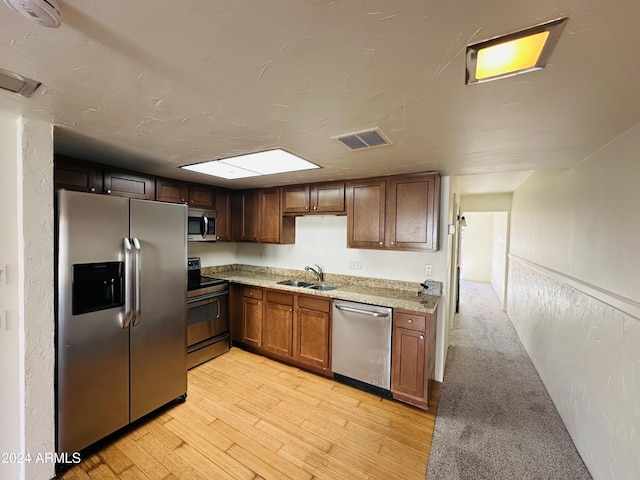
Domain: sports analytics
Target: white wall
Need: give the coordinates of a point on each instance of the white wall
(26, 199)
(477, 247)
(499, 254)
(10, 338)
(323, 240)
(574, 298)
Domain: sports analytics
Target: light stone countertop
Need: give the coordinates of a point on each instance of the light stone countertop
(382, 292)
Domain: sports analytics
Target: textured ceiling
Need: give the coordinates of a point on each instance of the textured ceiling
(152, 85)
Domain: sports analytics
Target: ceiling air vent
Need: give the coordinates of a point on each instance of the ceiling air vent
(17, 83)
(366, 139)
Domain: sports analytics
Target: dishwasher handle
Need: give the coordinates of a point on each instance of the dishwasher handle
(363, 312)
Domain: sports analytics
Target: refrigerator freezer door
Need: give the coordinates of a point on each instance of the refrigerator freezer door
(92, 351)
(158, 331)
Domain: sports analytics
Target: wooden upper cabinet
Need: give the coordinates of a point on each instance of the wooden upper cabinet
(400, 213)
(245, 226)
(327, 198)
(317, 198)
(223, 213)
(365, 214)
(77, 175)
(201, 196)
(270, 215)
(296, 199)
(174, 191)
(413, 212)
(129, 184)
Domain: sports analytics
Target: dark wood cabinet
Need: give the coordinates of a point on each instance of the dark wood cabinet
(399, 213)
(319, 198)
(366, 214)
(77, 175)
(278, 323)
(173, 191)
(252, 316)
(311, 332)
(274, 228)
(245, 216)
(223, 212)
(412, 357)
(201, 196)
(122, 183)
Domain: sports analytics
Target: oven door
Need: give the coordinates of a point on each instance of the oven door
(206, 318)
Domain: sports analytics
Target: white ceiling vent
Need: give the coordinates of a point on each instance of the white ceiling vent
(366, 139)
(17, 83)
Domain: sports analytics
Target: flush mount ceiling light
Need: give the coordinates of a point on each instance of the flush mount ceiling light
(252, 165)
(45, 12)
(513, 54)
(17, 83)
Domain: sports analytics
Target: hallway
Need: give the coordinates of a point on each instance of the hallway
(495, 419)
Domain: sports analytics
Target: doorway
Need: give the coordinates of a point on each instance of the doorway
(483, 250)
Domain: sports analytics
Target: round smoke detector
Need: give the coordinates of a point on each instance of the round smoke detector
(45, 12)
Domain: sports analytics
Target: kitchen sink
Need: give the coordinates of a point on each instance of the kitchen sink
(296, 283)
(322, 286)
(309, 285)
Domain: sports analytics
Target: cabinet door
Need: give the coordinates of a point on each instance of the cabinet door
(277, 332)
(78, 176)
(201, 196)
(223, 209)
(129, 184)
(172, 191)
(270, 215)
(327, 198)
(311, 332)
(412, 212)
(252, 321)
(248, 226)
(365, 214)
(295, 199)
(408, 366)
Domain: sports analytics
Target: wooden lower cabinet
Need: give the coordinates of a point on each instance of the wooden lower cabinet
(286, 326)
(412, 356)
(277, 326)
(252, 317)
(312, 333)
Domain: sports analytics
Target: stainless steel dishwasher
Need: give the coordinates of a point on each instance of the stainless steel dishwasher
(361, 346)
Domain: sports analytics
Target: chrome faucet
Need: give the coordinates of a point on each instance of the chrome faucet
(319, 273)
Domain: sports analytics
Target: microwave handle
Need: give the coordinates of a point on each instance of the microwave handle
(205, 225)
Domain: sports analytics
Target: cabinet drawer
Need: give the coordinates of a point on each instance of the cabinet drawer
(410, 320)
(314, 303)
(279, 297)
(252, 292)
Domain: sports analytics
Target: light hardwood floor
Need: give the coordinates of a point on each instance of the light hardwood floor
(248, 417)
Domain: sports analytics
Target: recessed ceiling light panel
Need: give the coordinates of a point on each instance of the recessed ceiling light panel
(17, 83)
(253, 164)
(513, 54)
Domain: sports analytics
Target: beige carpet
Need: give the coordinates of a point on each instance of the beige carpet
(495, 419)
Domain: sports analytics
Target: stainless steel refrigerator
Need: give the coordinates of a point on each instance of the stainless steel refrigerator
(121, 313)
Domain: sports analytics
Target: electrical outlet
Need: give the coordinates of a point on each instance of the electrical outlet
(428, 270)
(355, 264)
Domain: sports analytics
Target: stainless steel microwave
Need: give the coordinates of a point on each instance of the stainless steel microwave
(202, 225)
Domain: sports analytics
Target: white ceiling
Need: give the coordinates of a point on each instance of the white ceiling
(151, 85)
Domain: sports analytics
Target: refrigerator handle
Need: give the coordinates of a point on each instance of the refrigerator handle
(136, 314)
(205, 225)
(126, 320)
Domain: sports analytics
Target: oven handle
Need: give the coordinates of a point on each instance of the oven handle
(206, 296)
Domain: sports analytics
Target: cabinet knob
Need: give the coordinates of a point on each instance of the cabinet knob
(409, 321)
(251, 294)
(315, 208)
(182, 200)
(380, 243)
(259, 303)
(92, 189)
(393, 243)
(421, 337)
(108, 191)
(291, 309)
